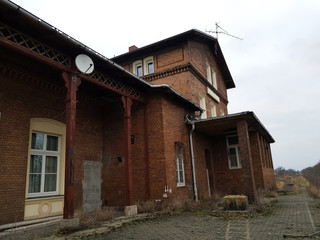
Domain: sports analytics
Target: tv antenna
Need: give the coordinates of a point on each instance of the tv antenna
(220, 30)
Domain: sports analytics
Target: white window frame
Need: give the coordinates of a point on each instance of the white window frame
(135, 66)
(212, 76)
(237, 151)
(213, 110)
(202, 103)
(44, 153)
(179, 160)
(146, 63)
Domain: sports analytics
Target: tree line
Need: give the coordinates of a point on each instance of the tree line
(312, 174)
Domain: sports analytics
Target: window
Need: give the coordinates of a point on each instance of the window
(233, 152)
(214, 78)
(213, 111)
(178, 147)
(211, 76)
(44, 165)
(203, 106)
(148, 65)
(137, 68)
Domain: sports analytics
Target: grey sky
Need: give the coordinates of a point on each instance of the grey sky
(276, 67)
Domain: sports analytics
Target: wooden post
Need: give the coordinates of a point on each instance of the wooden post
(127, 103)
(71, 82)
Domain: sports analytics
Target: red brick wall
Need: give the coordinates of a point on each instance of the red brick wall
(113, 171)
(269, 179)
(201, 56)
(246, 159)
(89, 139)
(201, 143)
(256, 160)
(186, 83)
(175, 130)
(228, 181)
(156, 155)
(21, 100)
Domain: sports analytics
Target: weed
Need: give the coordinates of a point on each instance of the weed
(313, 191)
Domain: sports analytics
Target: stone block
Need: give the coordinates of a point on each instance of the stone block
(131, 210)
(235, 202)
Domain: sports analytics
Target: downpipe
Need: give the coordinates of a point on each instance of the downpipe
(192, 123)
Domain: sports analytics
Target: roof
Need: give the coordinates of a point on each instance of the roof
(20, 19)
(192, 34)
(221, 125)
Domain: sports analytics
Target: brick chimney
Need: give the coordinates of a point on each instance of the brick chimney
(132, 48)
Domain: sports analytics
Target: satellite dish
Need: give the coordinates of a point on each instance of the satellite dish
(84, 64)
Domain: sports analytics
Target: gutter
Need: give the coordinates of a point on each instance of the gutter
(192, 122)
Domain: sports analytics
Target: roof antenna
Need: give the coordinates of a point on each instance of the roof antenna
(220, 30)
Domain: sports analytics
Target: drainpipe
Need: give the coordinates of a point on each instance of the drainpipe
(192, 158)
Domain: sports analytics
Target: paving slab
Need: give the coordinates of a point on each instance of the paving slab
(296, 216)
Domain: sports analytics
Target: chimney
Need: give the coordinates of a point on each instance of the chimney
(132, 48)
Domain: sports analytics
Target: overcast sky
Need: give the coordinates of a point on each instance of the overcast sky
(276, 67)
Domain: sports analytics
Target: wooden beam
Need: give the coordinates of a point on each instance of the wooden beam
(127, 103)
(71, 82)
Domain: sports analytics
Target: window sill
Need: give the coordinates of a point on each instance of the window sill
(44, 197)
(180, 185)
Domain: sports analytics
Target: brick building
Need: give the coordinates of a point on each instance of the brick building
(149, 124)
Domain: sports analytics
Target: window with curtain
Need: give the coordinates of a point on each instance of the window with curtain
(44, 165)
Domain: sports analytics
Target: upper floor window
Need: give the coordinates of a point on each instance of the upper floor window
(148, 65)
(137, 68)
(178, 148)
(203, 106)
(234, 158)
(212, 76)
(143, 67)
